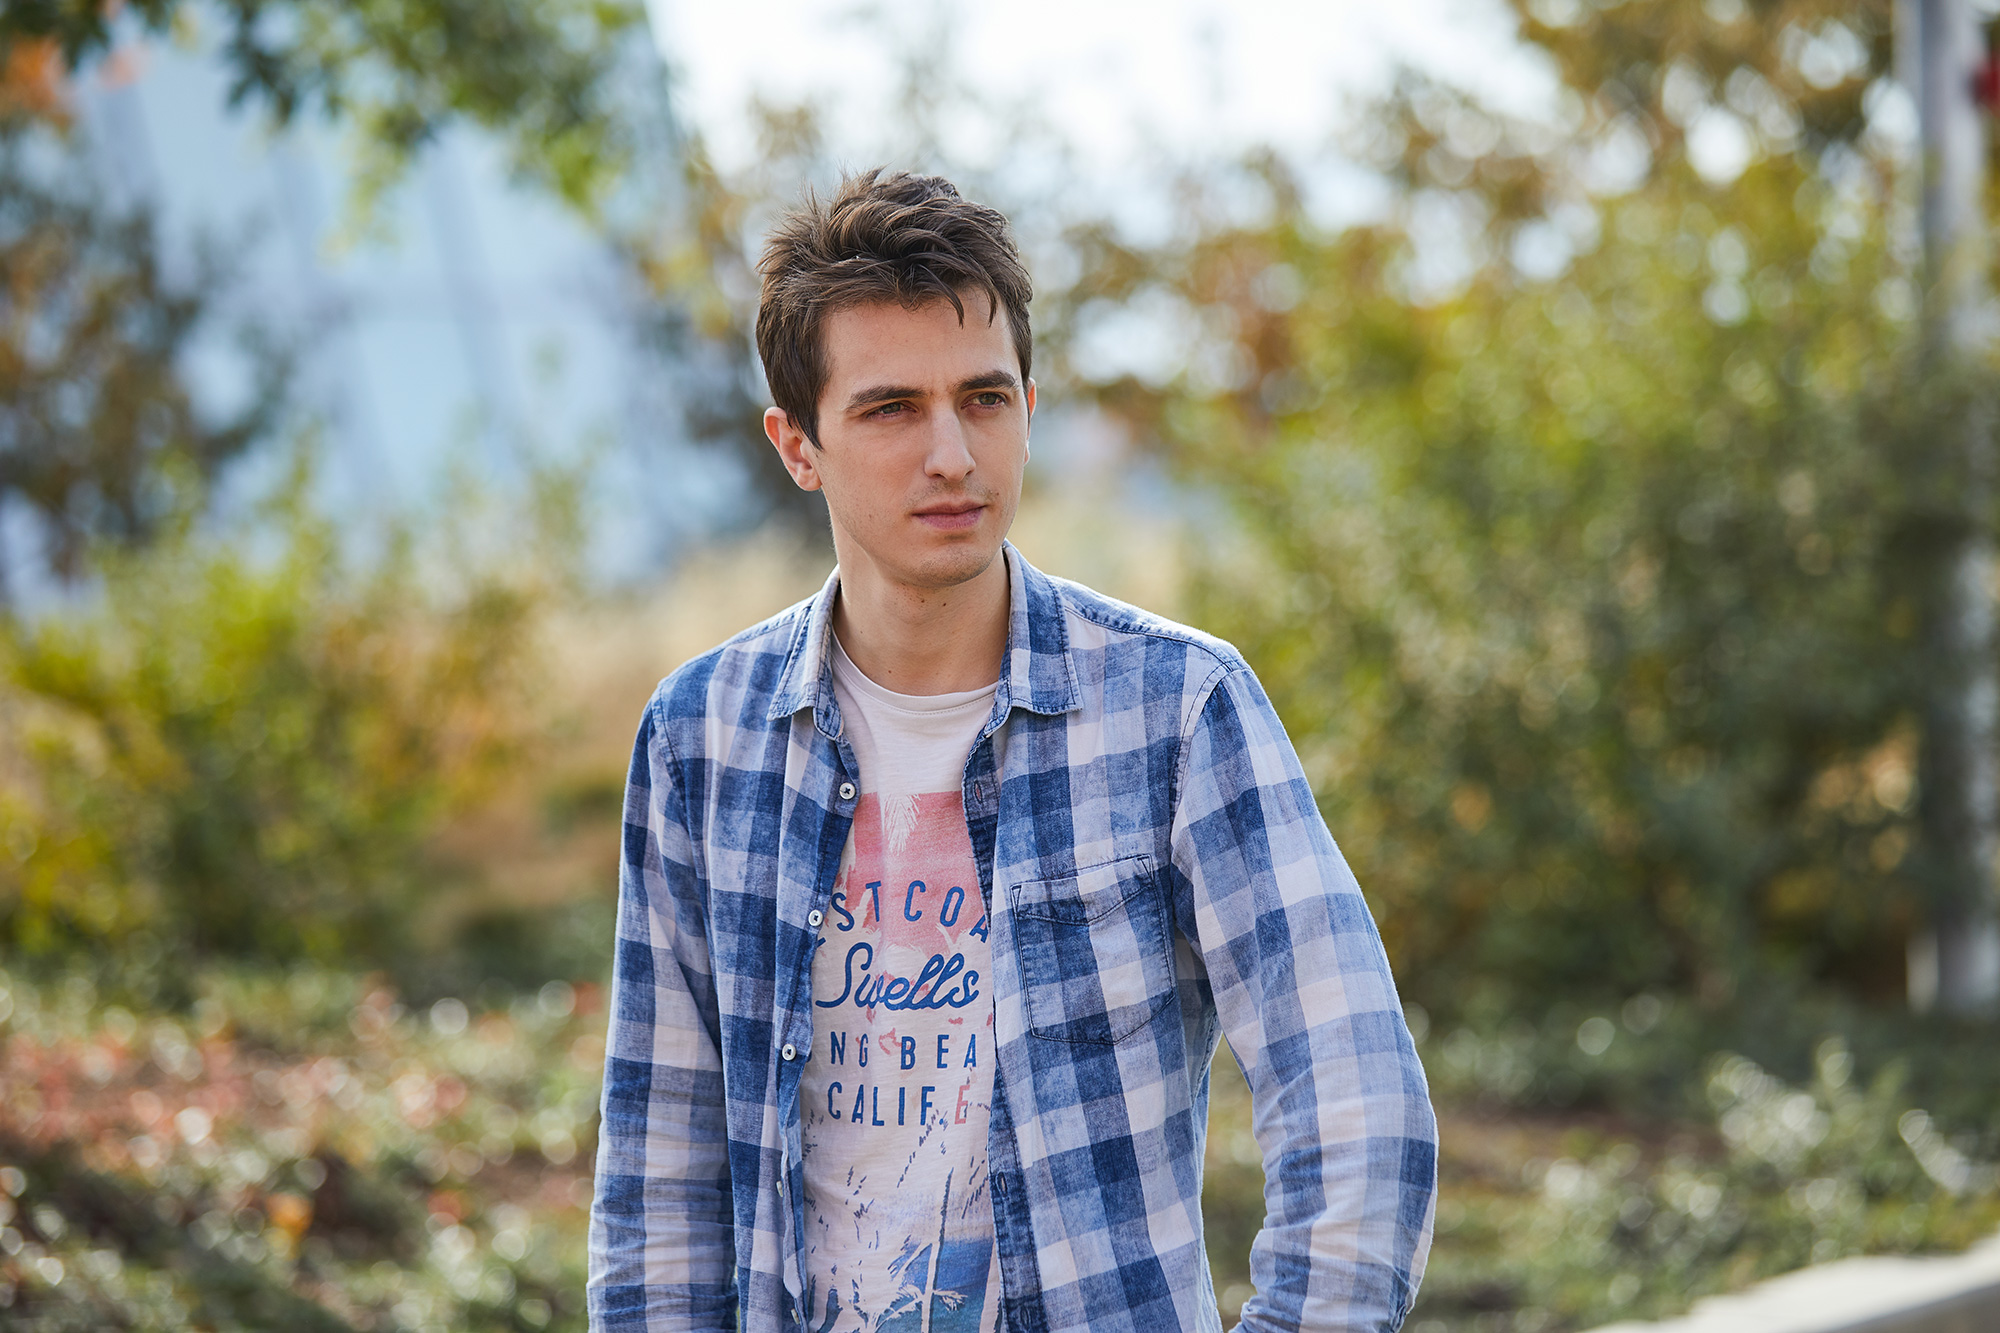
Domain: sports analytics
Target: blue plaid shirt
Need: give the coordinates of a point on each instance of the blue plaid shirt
(1157, 875)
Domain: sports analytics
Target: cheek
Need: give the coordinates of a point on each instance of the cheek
(1011, 457)
(867, 492)
(850, 471)
(1000, 441)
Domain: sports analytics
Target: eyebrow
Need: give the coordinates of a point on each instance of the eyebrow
(882, 393)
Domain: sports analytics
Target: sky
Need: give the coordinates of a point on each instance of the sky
(1114, 76)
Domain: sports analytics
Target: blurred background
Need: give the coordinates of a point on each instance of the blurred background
(1578, 411)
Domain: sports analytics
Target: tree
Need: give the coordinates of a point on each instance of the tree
(1808, 61)
(1575, 520)
(1813, 59)
(538, 71)
(97, 425)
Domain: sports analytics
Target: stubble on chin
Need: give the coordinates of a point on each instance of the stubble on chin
(953, 567)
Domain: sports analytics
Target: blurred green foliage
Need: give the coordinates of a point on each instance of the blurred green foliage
(1583, 549)
(241, 748)
(1807, 63)
(298, 1152)
(1581, 512)
(1563, 1222)
(1579, 601)
(540, 72)
(1623, 1162)
(1781, 1175)
(99, 434)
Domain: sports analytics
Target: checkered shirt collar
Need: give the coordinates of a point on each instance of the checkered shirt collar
(1038, 674)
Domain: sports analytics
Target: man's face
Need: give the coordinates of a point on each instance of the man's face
(923, 436)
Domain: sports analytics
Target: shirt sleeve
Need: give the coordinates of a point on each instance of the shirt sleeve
(661, 1239)
(1339, 1102)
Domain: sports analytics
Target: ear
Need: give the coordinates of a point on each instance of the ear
(1031, 417)
(794, 449)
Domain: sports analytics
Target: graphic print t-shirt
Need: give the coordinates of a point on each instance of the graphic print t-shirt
(897, 1090)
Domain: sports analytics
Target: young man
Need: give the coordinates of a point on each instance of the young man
(939, 888)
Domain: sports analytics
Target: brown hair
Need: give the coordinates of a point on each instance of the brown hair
(895, 237)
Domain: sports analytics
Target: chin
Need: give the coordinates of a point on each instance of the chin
(956, 563)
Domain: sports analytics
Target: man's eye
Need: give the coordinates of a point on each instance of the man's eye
(991, 398)
(890, 410)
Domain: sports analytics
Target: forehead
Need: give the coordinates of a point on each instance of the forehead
(924, 347)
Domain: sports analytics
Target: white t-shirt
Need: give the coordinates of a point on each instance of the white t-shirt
(897, 1092)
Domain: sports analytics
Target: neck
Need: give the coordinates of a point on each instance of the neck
(924, 640)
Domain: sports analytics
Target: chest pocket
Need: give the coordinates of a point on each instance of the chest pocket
(1095, 950)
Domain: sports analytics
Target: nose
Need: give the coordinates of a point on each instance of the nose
(950, 455)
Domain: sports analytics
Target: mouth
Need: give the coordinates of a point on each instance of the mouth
(951, 515)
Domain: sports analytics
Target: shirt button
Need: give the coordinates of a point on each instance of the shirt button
(814, 917)
(790, 1052)
(846, 791)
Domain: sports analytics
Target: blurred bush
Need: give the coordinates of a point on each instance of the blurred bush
(1583, 604)
(1583, 511)
(1576, 1227)
(241, 747)
(1580, 523)
(1601, 1165)
(545, 76)
(101, 438)
(299, 1152)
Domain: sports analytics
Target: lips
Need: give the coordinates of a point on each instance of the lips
(951, 516)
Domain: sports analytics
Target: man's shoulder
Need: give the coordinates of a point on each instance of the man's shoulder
(1102, 623)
